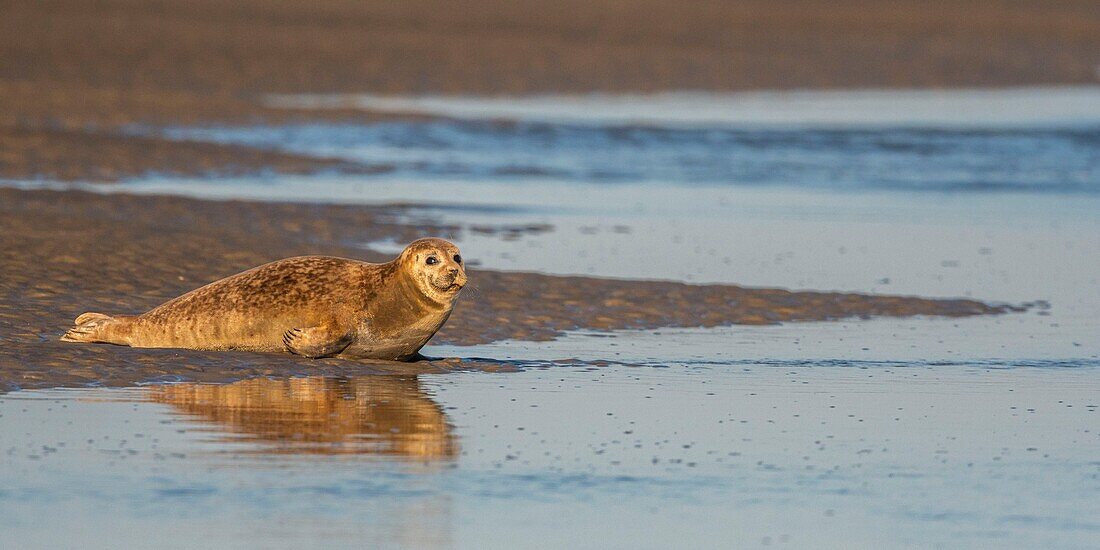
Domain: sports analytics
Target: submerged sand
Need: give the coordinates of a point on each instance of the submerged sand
(69, 252)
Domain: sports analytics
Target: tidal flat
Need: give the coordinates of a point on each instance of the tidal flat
(897, 430)
(720, 296)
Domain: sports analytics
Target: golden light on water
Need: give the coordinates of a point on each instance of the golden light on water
(373, 415)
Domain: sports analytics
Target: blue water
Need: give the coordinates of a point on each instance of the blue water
(1065, 161)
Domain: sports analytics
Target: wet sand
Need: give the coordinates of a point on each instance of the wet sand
(69, 252)
(74, 72)
(62, 154)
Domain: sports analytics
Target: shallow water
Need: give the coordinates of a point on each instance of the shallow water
(996, 246)
(976, 432)
(527, 154)
(898, 455)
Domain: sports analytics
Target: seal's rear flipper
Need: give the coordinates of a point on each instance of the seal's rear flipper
(97, 327)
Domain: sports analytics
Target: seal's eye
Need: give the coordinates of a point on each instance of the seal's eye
(432, 260)
(458, 258)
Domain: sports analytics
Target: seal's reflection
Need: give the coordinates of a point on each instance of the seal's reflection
(377, 415)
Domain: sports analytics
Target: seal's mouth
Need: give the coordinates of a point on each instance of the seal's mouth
(452, 283)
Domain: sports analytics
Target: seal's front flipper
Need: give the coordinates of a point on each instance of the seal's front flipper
(314, 342)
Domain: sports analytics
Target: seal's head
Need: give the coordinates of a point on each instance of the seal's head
(435, 267)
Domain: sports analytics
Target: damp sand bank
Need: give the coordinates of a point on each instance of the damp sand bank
(69, 252)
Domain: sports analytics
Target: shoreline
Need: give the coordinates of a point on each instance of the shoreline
(67, 252)
(77, 76)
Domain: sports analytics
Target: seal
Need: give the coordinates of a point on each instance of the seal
(314, 306)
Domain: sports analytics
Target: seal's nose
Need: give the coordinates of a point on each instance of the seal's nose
(454, 271)
(459, 277)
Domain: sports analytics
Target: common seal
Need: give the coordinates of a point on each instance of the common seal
(315, 306)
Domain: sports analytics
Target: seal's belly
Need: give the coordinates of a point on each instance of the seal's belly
(394, 349)
(400, 346)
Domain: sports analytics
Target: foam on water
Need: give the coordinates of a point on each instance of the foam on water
(974, 108)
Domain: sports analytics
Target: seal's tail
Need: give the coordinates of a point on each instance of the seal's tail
(97, 327)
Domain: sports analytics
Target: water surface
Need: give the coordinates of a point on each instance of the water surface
(804, 454)
(977, 432)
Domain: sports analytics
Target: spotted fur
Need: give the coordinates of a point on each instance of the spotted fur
(315, 306)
